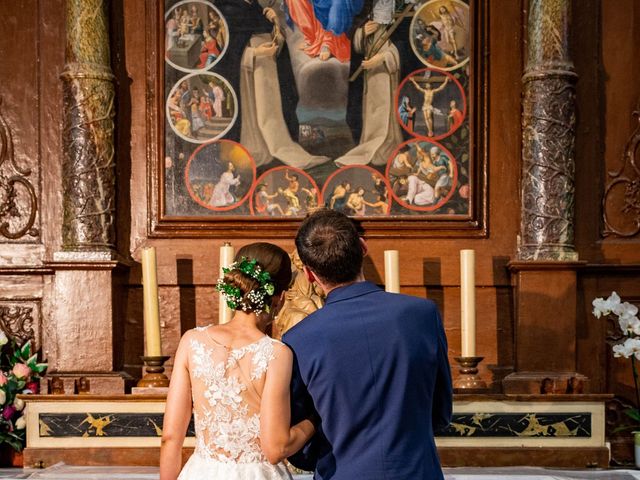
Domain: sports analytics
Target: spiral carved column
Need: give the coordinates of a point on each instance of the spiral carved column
(545, 271)
(88, 114)
(548, 136)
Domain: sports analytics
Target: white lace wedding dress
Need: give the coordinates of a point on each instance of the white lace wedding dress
(227, 386)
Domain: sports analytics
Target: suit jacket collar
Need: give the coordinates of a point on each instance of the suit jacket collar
(350, 291)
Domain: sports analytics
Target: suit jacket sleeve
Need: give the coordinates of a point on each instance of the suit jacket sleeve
(443, 393)
(302, 407)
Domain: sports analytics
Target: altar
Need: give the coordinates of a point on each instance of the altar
(486, 430)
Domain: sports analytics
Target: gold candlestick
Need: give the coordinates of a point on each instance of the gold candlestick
(469, 379)
(154, 368)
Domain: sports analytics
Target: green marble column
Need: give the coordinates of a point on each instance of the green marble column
(548, 136)
(88, 133)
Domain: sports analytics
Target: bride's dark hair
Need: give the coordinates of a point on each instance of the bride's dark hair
(272, 259)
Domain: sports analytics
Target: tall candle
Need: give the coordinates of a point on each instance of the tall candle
(150, 300)
(468, 302)
(391, 271)
(227, 253)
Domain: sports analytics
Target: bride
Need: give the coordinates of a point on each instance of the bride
(236, 380)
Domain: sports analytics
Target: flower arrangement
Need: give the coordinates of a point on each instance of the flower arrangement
(256, 299)
(19, 374)
(630, 327)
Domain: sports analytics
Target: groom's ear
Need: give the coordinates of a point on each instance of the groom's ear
(310, 275)
(365, 248)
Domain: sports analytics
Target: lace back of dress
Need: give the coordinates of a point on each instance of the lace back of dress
(227, 386)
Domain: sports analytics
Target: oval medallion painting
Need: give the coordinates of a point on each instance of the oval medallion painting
(284, 191)
(201, 107)
(357, 190)
(430, 103)
(440, 34)
(423, 175)
(219, 175)
(196, 36)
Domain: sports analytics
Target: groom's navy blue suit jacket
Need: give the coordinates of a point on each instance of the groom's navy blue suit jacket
(374, 366)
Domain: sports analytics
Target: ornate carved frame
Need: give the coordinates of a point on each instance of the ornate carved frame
(473, 225)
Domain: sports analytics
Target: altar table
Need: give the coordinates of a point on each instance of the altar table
(486, 430)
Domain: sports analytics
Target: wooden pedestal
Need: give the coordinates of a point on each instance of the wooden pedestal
(545, 330)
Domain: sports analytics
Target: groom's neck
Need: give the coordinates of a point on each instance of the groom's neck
(327, 288)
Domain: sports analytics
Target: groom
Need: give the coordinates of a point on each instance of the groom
(372, 365)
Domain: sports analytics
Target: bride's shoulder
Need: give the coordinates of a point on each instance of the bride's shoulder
(195, 334)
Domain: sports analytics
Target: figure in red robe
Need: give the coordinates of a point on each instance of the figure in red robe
(209, 51)
(324, 24)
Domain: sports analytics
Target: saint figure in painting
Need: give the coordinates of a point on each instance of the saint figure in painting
(324, 24)
(221, 195)
(427, 102)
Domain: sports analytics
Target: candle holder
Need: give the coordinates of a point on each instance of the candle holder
(154, 376)
(469, 379)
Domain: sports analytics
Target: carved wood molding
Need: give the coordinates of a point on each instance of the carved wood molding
(18, 200)
(621, 199)
(19, 320)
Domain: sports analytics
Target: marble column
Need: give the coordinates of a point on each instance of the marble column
(84, 330)
(545, 271)
(88, 133)
(548, 136)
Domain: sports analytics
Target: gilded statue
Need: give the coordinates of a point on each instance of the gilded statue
(301, 299)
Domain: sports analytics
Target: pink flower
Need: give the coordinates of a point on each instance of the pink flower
(8, 412)
(3, 379)
(20, 370)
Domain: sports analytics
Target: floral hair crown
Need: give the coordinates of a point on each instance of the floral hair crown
(255, 300)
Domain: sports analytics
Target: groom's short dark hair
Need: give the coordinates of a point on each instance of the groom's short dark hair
(328, 243)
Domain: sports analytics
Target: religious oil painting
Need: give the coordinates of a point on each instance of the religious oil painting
(357, 191)
(440, 34)
(274, 108)
(201, 107)
(284, 191)
(195, 36)
(220, 175)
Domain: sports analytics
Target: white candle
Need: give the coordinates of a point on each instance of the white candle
(468, 302)
(391, 271)
(227, 254)
(150, 302)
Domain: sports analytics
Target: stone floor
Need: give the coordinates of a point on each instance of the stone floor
(65, 472)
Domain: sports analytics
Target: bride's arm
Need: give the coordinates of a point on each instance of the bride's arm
(177, 415)
(277, 438)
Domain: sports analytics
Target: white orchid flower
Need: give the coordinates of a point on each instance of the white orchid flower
(3, 338)
(625, 310)
(631, 346)
(599, 307)
(605, 307)
(629, 325)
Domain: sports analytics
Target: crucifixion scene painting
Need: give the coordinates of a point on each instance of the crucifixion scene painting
(333, 92)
